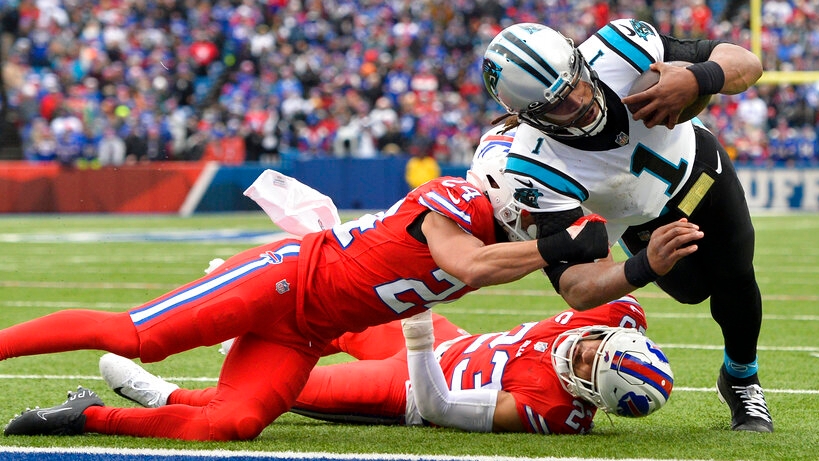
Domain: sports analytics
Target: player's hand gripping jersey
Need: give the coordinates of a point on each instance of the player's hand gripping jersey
(519, 362)
(613, 174)
(369, 268)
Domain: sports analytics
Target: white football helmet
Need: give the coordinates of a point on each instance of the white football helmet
(630, 377)
(486, 173)
(530, 69)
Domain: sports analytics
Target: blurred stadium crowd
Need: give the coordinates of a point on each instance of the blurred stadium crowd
(112, 82)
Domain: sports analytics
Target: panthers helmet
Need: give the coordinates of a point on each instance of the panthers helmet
(486, 173)
(630, 376)
(530, 69)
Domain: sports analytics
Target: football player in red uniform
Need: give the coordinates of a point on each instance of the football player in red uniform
(285, 301)
(501, 382)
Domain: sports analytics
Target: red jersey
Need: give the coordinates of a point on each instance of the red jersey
(372, 271)
(519, 362)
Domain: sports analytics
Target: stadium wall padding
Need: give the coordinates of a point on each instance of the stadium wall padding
(353, 184)
(159, 187)
(367, 184)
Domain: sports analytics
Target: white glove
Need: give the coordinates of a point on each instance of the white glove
(295, 207)
(418, 332)
(214, 264)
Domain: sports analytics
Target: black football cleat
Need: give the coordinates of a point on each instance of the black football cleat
(64, 419)
(744, 396)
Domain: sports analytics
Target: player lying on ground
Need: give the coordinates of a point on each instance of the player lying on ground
(500, 382)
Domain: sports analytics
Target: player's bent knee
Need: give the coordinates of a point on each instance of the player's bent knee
(151, 351)
(249, 428)
(244, 428)
(690, 298)
(686, 293)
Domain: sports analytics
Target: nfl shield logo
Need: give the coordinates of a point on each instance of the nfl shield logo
(282, 287)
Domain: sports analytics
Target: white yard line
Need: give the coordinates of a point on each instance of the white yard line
(93, 453)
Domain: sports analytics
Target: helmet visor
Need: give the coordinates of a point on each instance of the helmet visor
(575, 107)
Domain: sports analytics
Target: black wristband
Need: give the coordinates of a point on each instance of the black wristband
(638, 271)
(710, 76)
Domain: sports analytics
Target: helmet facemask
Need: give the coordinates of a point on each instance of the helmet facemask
(630, 375)
(563, 355)
(545, 117)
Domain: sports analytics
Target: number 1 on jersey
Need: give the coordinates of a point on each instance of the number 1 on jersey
(645, 159)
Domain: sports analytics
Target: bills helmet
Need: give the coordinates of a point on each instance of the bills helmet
(538, 74)
(486, 173)
(630, 376)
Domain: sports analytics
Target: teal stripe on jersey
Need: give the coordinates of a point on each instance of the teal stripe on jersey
(624, 47)
(552, 179)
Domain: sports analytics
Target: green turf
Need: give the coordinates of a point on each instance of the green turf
(44, 269)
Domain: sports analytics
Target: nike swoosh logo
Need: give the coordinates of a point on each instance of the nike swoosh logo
(528, 182)
(719, 164)
(43, 413)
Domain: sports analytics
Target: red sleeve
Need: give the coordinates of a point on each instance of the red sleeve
(627, 312)
(461, 202)
(554, 411)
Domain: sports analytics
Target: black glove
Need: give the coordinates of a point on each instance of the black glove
(584, 241)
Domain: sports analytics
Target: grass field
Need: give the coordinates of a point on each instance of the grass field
(115, 262)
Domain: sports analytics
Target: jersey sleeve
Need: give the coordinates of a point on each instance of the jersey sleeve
(496, 139)
(623, 312)
(460, 201)
(627, 312)
(566, 417)
(622, 50)
(691, 50)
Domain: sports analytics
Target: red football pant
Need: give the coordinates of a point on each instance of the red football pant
(252, 297)
(373, 386)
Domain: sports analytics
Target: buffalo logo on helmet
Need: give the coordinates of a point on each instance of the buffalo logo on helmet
(633, 405)
(633, 367)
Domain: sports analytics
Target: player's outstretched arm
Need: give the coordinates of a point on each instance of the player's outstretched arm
(475, 410)
(730, 69)
(476, 264)
(584, 286)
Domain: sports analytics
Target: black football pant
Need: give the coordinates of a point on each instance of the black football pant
(722, 267)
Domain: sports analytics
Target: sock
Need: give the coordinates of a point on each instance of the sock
(740, 370)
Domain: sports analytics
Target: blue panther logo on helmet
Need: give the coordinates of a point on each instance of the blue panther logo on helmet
(528, 196)
(491, 75)
(642, 29)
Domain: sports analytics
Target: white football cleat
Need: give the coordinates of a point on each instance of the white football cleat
(133, 382)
